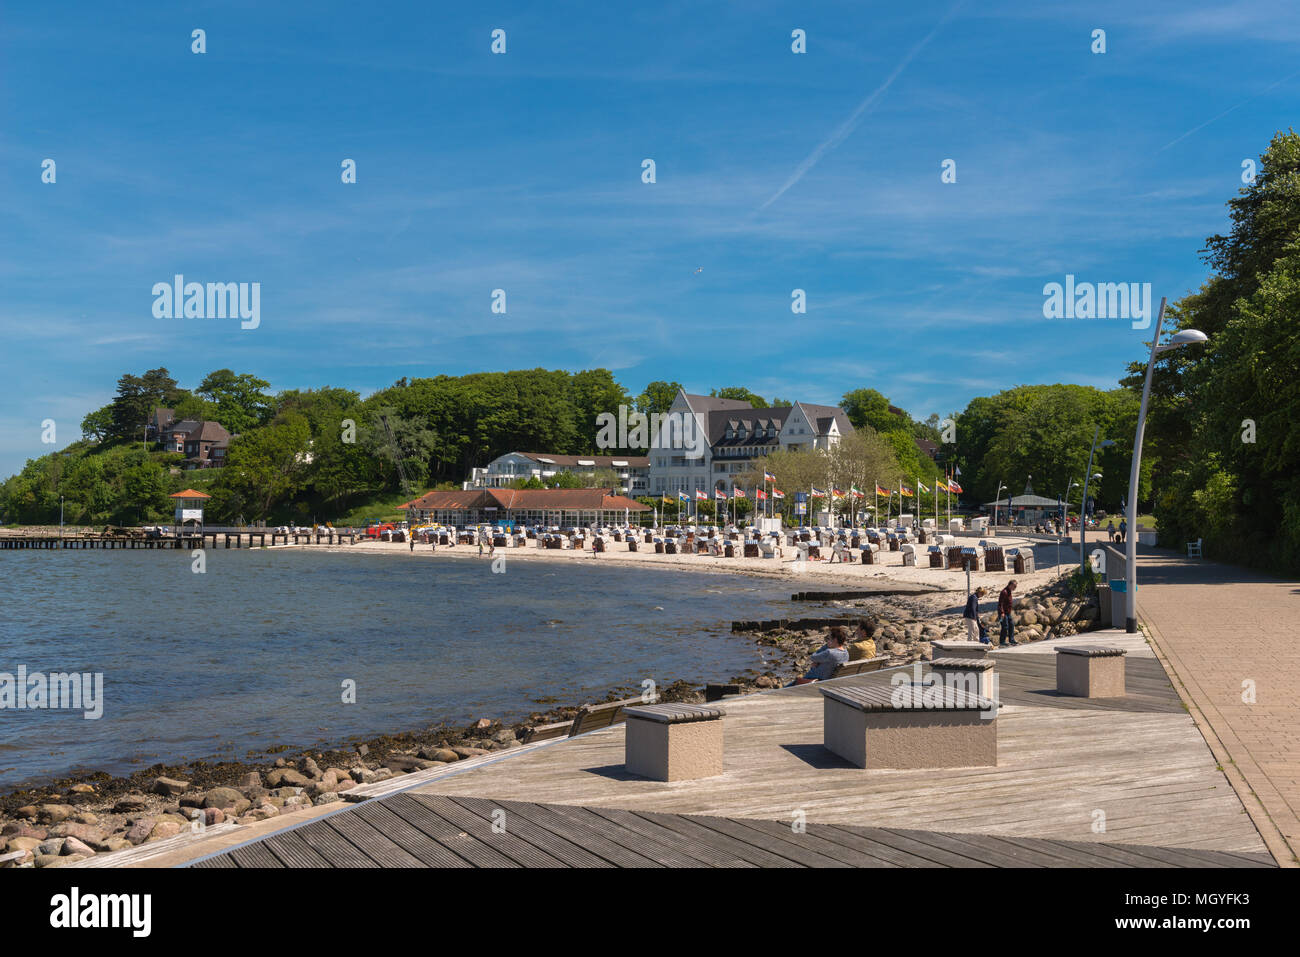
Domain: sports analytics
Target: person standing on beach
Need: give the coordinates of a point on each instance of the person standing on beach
(1006, 627)
(411, 538)
(971, 616)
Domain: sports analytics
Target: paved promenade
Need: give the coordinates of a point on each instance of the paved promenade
(1220, 631)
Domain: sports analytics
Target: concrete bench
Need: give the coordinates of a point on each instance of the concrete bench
(945, 648)
(972, 675)
(1090, 671)
(674, 742)
(909, 726)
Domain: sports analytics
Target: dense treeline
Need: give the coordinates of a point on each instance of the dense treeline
(1224, 424)
(300, 456)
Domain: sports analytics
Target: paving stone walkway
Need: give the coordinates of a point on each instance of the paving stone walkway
(1230, 640)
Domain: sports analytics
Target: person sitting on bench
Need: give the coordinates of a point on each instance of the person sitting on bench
(828, 657)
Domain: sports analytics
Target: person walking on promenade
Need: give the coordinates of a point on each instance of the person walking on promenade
(1110, 530)
(1006, 627)
(412, 541)
(1123, 529)
(480, 543)
(971, 616)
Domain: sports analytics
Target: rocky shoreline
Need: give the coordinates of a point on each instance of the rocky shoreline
(72, 819)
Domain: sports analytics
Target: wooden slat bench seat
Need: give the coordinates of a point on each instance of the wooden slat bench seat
(674, 742)
(972, 675)
(861, 666)
(909, 726)
(592, 717)
(945, 648)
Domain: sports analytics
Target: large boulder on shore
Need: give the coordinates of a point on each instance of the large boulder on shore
(286, 777)
(170, 787)
(54, 813)
(139, 831)
(82, 832)
(227, 798)
(131, 802)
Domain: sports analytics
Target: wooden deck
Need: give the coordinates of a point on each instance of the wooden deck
(418, 830)
(1133, 770)
(1123, 783)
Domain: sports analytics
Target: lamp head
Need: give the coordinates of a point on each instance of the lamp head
(1185, 337)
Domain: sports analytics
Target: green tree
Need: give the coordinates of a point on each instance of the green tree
(741, 394)
(658, 396)
(241, 400)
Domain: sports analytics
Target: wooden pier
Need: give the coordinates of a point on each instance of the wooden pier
(243, 539)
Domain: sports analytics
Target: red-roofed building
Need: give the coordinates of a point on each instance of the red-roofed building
(565, 507)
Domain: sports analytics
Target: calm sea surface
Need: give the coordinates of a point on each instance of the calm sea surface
(253, 653)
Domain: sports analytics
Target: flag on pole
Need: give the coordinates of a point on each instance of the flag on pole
(921, 486)
(881, 491)
(665, 499)
(941, 486)
(955, 486)
(817, 493)
(719, 493)
(837, 493)
(682, 496)
(769, 477)
(760, 494)
(737, 492)
(856, 492)
(904, 490)
(777, 493)
(700, 496)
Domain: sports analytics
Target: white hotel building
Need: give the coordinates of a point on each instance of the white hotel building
(736, 437)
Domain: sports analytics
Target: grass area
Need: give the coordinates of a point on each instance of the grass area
(381, 508)
(1149, 521)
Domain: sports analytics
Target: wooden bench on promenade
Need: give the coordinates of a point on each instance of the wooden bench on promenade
(945, 648)
(909, 726)
(591, 717)
(674, 742)
(1090, 671)
(972, 675)
(861, 666)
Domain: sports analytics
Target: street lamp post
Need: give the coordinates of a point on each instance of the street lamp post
(996, 502)
(1183, 338)
(1083, 506)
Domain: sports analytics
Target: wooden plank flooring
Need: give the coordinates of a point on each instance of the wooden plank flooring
(442, 832)
(1137, 774)
(1127, 782)
(1031, 680)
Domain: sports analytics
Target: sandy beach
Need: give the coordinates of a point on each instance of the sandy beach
(886, 573)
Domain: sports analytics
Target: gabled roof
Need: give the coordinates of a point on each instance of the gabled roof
(821, 415)
(189, 493)
(209, 432)
(711, 403)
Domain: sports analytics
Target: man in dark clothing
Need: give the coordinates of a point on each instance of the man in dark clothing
(1006, 628)
(972, 616)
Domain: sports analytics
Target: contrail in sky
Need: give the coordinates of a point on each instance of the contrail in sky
(849, 125)
(1197, 129)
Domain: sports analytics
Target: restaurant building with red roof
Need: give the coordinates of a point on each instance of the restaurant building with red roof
(565, 507)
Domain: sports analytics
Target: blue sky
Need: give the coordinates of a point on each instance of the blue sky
(522, 171)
